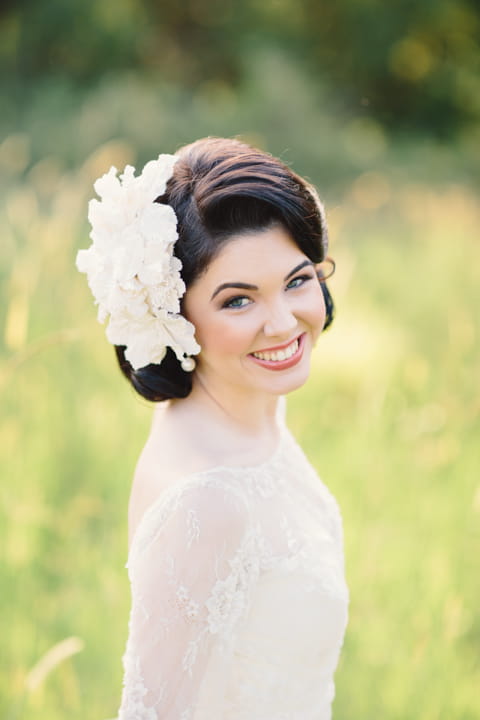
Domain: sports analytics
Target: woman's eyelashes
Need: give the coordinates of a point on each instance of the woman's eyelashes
(299, 281)
(241, 301)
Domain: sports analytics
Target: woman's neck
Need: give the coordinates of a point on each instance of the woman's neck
(216, 428)
(246, 413)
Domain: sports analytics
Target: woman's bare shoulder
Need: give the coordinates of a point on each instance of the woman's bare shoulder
(171, 452)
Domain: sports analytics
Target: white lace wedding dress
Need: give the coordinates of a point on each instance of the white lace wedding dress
(239, 602)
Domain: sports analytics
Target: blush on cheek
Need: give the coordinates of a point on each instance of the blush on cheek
(316, 315)
(222, 339)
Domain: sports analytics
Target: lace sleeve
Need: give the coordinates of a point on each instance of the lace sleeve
(191, 568)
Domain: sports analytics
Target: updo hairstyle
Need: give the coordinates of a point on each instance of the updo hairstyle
(220, 188)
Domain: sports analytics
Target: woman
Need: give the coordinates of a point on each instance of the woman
(211, 266)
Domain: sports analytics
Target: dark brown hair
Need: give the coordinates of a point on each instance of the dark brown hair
(219, 188)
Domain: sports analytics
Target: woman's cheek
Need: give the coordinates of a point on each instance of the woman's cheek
(225, 336)
(317, 313)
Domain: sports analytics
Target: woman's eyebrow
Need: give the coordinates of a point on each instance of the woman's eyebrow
(297, 268)
(241, 285)
(248, 286)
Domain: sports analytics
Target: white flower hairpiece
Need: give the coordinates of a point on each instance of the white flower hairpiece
(130, 266)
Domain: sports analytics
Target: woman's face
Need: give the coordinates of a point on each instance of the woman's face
(258, 310)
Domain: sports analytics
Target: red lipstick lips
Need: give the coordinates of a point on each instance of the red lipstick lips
(272, 364)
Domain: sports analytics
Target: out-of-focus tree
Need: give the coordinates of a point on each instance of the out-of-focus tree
(416, 66)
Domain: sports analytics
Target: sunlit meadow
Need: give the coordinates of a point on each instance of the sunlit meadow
(390, 419)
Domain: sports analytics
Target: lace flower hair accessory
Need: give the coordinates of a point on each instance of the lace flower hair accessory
(131, 269)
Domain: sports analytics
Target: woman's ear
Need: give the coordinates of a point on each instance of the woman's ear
(325, 269)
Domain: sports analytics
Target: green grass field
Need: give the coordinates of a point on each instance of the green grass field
(390, 419)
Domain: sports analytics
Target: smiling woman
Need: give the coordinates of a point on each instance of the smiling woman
(272, 326)
(221, 189)
(212, 266)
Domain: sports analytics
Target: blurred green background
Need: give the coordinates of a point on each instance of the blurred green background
(379, 105)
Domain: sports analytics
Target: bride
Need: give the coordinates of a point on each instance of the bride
(211, 267)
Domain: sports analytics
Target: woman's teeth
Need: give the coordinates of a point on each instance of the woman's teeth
(278, 355)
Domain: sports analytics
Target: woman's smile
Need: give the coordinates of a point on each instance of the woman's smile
(257, 308)
(281, 357)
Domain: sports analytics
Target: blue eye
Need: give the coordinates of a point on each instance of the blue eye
(239, 301)
(298, 281)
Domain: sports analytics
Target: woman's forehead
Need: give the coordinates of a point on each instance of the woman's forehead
(255, 254)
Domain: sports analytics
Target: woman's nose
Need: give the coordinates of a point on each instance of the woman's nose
(280, 320)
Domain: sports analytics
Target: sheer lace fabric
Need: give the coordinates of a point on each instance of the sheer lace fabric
(239, 603)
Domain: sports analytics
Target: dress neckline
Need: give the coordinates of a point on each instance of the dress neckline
(185, 479)
(245, 468)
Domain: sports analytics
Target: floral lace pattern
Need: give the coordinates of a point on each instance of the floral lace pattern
(133, 705)
(239, 602)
